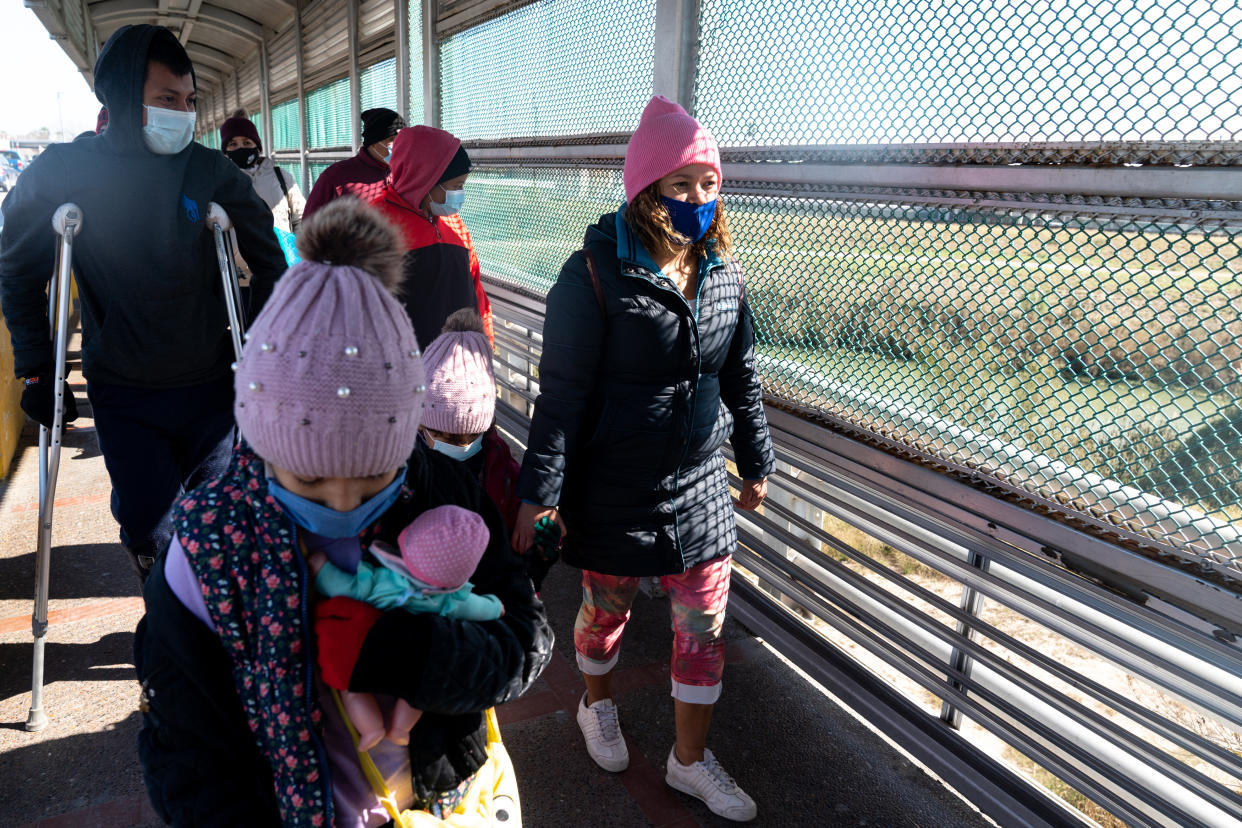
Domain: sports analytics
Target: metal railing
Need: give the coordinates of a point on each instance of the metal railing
(983, 639)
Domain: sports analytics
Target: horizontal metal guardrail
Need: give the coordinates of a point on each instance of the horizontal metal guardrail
(890, 644)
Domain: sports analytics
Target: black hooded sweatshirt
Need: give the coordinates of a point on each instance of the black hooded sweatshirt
(153, 312)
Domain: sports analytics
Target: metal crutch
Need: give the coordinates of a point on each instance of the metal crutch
(220, 223)
(67, 222)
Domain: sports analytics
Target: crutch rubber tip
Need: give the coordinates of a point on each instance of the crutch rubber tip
(36, 720)
(217, 217)
(66, 215)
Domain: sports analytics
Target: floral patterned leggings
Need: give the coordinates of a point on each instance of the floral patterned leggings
(698, 597)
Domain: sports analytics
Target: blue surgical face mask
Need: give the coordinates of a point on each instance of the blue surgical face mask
(388, 155)
(328, 522)
(167, 131)
(458, 452)
(453, 200)
(691, 220)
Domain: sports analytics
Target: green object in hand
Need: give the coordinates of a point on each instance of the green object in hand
(547, 538)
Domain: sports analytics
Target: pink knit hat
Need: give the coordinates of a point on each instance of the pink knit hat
(443, 546)
(330, 383)
(461, 390)
(667, 139)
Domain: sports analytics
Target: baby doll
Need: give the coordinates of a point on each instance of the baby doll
(439, 551)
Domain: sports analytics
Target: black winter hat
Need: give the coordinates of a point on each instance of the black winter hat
(380, 124)
(460, 165)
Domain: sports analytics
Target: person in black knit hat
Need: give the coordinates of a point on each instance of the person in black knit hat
(363, 175)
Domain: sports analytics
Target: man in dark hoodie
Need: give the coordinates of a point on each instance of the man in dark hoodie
(155, 343)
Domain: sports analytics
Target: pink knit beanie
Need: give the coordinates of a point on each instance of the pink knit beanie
(330, 383)
(443, 546)
(667, 139)
(461, 390)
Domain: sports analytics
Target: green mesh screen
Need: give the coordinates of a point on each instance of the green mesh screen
(1088, 358)
(294, 168)
(257, 120)
(851, 72)
(314, 168)
(328, 118)
(416, 64)
(556, 67)
(378, 85)
(286, 126)
(524, 224)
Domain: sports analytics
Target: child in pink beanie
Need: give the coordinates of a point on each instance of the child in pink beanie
(458, 419)
(439, 550)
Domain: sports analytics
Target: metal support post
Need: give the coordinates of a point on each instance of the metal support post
(265, 97)
(401, 13)
(431, 64)
(297, 51)
(355, 89)
(959, 661)
(676, 48)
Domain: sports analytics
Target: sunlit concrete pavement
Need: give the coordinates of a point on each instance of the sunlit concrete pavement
(805, 761)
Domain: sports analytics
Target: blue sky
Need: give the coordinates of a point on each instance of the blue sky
(33, 69)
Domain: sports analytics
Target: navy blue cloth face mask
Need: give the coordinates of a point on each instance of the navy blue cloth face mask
(691, 220)
(329, 523)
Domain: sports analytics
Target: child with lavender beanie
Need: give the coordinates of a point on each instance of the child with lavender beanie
(238, 655)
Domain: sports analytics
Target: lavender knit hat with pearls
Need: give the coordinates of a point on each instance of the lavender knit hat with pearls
(331, 382)
(461, 390)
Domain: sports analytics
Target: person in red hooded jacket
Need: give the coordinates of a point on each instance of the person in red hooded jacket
(425, 190)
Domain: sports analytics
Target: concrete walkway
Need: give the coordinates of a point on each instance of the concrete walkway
(806, 761)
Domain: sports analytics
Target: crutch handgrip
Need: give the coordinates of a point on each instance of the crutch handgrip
(67, 216)
(216, 217)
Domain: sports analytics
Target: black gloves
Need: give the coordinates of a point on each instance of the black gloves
(39, 400)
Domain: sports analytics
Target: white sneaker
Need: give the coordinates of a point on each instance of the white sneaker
(603, 736)
(708, 781)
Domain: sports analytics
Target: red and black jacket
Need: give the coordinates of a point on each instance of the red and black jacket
(441, 268)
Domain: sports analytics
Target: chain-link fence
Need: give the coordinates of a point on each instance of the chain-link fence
(545, 70)
(286, 125)
(378, 86)
(1079, 347)
(859, 72)
(1083, 351)
(328, 121)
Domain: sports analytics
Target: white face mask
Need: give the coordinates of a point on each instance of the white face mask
(453, 200)
(167, 131)
(458, 452)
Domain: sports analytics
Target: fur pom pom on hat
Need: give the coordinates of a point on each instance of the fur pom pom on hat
(330, 383)
(667, 139)
(461, 390)
(354, 235)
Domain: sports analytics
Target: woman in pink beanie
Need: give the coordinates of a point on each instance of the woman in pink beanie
(647, 369)
(239, 654)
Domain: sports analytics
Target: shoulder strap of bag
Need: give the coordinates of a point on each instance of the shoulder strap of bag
(294, 220)
(595, 283)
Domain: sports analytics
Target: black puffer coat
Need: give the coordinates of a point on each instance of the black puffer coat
(636, 400)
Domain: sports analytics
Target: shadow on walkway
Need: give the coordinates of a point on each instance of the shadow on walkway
(108, 659)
